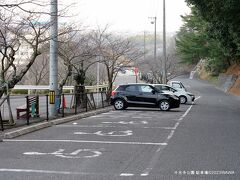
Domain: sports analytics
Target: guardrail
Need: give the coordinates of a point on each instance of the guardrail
(29, 109)
(96, 88)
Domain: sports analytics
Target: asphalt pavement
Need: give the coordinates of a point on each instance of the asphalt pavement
(195, 141)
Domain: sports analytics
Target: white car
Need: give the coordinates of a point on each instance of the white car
(177, 85)
(185, 97)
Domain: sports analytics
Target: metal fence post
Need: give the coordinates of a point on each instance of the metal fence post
(86, 101)
(2, 128)
(37, 106)
(75, 106)
(47, 107)
(102, 99)
(63, 104)
(27, 104)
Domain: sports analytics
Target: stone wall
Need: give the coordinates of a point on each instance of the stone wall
(226, 81)
(235, 89)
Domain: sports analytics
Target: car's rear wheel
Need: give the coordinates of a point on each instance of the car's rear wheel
(183, 99)
(119, 104)
(164, 105)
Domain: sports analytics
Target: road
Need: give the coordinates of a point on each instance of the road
(196, 141)
(123, 79)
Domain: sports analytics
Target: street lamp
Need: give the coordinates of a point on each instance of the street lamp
(154, 21)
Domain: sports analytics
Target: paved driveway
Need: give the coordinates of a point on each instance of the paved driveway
(112, 145)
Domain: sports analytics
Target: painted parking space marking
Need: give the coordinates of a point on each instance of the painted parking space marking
(81, 141)
(110, 126)
(122, 122)
(111, 133)
(170, 136)
(158, 152)
(127, 122)
(53, 172)
(126, 174)
(79, 153)
(108, 116)
(107, 122)
(143, 117)
(152, 162)
(197, 97)
(38, 171)
(176, 125)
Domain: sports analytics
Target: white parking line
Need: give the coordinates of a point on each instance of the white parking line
(143, 117)
(79, 141)
(176, 125)
(126, 174)
(43, 171)
(158, 152)
(57, 172)
(197, 98)
(110, 133)
(109, 126)
(62, 172)
(153, 162)
(146, 171)
(170, 136)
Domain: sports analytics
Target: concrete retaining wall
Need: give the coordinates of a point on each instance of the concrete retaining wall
(226, 81)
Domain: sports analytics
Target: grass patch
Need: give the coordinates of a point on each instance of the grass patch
(213, 80)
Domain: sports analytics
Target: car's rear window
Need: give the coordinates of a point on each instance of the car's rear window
(120, 88)
(132, 88)
(158, 87)
(176, 85)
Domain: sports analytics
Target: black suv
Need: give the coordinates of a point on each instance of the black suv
(142, 95)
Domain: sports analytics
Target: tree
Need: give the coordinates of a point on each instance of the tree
(14, 34)
(114, 51)
(223, 19)
(152, 69)
(39, 71)
(20, 29)
(78, 54)
(194, 42)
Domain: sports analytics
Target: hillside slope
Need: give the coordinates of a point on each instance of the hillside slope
(228, 81)
(235, 70)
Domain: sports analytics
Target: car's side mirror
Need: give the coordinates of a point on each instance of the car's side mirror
(153, 91)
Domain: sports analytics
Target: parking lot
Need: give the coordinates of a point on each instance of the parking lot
(115, 144)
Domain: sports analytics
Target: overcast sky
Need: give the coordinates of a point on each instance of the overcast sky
(129, 15)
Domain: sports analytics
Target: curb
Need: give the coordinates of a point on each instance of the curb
(1, 136)
(80, 116)
(36, 127)
(26, 130)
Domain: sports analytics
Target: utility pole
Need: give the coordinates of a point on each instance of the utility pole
(98, 74)
(164, 46)
(53, 79)
(144, 46)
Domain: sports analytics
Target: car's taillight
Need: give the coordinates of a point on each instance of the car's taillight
(114, 93)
